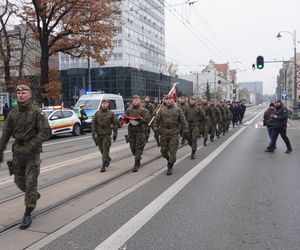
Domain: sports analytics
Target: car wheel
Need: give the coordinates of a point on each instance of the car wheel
(76, 130)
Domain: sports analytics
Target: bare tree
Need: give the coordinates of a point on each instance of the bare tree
(6, 12)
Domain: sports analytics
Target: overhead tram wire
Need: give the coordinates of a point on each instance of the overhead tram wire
(208, 46)
(214, 34)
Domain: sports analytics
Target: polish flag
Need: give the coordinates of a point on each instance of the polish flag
(173, 92)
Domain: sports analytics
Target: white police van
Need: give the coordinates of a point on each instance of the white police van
(92, 102)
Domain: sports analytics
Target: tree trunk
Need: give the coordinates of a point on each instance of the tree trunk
(44, 60)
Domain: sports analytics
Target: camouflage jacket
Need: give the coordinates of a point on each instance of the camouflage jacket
(104, 122)
(195, 115)
(150, 107)
(209, 113)
(170, 120)
(135, 111)
(217, 113)
(28, 125)
(183, 106)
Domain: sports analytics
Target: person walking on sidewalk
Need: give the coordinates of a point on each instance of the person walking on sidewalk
(280, 126)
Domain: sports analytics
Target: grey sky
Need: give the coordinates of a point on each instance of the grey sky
(234, 31)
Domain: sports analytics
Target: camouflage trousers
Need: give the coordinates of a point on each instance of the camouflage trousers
(26, 171)
(219, 128)
(169, 145)
(147, 131)
(104, 143)
(137, 143)
(193, 134)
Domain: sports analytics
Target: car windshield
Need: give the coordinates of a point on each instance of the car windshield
(47, 112)
(88, 104)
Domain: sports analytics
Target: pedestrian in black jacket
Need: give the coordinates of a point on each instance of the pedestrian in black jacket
(280, 125)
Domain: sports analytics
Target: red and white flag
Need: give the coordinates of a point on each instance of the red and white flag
(173, 92)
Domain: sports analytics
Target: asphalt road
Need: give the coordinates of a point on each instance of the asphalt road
(233, 196)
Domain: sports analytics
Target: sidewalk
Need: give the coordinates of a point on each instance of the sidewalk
(294, 123)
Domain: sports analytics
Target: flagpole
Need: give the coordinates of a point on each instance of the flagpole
(161, 105)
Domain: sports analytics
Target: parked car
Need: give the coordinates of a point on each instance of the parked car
(62, 121)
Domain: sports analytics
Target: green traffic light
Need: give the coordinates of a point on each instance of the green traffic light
(259, 66)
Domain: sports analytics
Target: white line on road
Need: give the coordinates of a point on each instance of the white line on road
(117, 239)
(67, 228)
(65, 163)
(65, 141)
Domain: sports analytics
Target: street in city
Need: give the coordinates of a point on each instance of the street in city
(233, 196)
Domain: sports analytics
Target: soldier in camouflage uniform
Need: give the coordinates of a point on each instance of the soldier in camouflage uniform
(151, 109)
(29, 127)
(104, 121)
(229, 116)
(183, 105)
(194, 116)
(210, 126)
(218, 116)
(138, 118)
(168, 123)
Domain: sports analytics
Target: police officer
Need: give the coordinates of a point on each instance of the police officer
(29, 127)
(151, 109)
(138, 118)
(194, 116)
(82, 117)
(168, 123)
(104, 121)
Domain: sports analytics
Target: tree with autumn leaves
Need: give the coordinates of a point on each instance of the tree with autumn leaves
(76, 27)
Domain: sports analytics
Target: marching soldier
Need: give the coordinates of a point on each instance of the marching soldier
(138, 118)
(104, 121)
(210, 127)
(219, 118)
(151, 109)
(183, 105)
(168, 123)
(29, 127)
(194, 116)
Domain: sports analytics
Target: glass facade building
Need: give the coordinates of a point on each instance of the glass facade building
(126, 81)
(139, 39)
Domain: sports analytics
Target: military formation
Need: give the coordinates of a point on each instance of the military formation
(190, 120)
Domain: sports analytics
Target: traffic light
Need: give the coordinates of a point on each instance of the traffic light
(260, 62)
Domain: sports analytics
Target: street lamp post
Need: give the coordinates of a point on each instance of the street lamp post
(295, 105)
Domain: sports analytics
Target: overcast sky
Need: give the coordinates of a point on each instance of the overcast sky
(234, 31)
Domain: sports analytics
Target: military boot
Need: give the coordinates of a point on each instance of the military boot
(193, 154)
(26, 221)
(182, 141)
(103, 169)
(212, 138)
(137, 164)
(170, 166)
(205, 142)
(126, 138)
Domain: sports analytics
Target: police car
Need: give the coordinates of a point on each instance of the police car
(62, 120)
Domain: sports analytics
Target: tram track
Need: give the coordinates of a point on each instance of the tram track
(77, 195)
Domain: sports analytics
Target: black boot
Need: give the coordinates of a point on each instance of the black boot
(204, 143)
(126, 138)
(193, 154)
(212, 138)
(26, 221)
(289, 150)
(103, 169)
(137, 164)
(182, 141)
(170, 166)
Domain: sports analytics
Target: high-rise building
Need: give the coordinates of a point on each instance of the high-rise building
(139, 40)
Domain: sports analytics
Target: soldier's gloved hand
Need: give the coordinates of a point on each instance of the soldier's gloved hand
(115, 137)
(185, 133)
(141, 120)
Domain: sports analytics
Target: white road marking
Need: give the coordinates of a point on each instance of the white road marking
(119, 238)
(65, 163)
(67, 228)
(65, 141)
